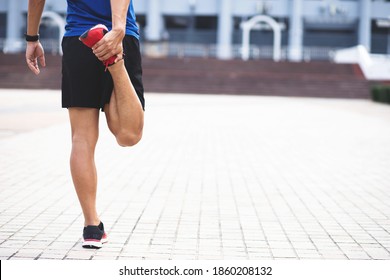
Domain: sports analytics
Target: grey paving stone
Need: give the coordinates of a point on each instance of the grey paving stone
(215, 177)
(7, 252)
(28, 253)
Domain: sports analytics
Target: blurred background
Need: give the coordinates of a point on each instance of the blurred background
(311, 29)
(243, 38)
(279, 153)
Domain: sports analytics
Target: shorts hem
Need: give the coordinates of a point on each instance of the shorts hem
(84, 107)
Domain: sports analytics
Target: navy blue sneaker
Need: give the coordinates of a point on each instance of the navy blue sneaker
(94, 236)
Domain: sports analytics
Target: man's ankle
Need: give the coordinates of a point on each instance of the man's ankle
(92, 222)
(117, 66)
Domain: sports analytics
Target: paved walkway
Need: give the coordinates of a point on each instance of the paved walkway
(215, 177)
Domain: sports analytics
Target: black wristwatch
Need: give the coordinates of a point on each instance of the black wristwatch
(31, 38)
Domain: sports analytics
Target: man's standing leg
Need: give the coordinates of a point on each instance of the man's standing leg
(85, 132)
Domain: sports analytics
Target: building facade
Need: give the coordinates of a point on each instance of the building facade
(309, 29)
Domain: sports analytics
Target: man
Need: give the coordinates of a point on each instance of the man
(114, 86)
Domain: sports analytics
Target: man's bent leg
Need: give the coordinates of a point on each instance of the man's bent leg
(124, 113)
(85, 132)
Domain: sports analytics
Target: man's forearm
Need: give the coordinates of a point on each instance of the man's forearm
(35, 9)
(119, 10)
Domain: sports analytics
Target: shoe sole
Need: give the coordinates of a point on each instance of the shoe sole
(94, 243)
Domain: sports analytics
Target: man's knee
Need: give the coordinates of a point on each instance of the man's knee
(84, 141)
(126, 139)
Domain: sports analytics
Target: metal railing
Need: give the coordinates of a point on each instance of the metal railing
(255, 52)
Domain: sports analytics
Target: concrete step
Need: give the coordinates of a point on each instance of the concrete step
(197, 75)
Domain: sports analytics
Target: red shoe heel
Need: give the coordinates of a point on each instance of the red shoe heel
(94, 35)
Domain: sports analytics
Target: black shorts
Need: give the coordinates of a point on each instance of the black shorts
(85, 83)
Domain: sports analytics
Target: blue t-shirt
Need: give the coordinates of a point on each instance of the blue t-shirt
(84, 14)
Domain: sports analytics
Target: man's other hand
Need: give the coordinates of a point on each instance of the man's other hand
(34, 52)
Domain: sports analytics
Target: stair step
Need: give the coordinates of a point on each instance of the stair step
(197, 75)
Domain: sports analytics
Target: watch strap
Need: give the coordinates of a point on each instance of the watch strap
(31, 38)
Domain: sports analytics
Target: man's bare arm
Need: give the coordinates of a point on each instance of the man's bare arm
(35, 9)
(119, 10)
(111, 44)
